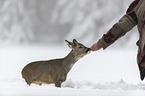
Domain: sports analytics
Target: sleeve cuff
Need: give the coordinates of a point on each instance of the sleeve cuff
(102, 44)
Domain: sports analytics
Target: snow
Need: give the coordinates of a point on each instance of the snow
(103, 73)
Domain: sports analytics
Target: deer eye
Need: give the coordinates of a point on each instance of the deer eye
(80, 47)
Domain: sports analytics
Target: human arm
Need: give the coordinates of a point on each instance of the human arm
(119, 29)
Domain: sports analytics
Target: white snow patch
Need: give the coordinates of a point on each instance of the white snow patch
(105, 73)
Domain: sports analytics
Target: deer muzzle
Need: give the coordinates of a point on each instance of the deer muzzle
(88, 50)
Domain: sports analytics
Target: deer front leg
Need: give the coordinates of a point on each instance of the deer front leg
(57, 82)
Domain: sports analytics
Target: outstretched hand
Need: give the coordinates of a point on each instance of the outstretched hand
(95, 47)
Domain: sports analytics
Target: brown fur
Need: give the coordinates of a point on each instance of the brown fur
(54, 71)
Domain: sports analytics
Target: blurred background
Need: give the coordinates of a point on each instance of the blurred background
(33, 30)
(50, 22)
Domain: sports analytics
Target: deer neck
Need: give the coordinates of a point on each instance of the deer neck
(70, 60)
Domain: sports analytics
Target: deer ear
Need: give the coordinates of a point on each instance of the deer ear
(70, 44)
(75, 42)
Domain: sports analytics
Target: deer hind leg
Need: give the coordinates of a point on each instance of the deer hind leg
(28, 82)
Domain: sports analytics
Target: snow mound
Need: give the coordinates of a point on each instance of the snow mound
(90, 85)
(103, 86)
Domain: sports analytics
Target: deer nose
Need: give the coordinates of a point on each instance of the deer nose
(88, 50)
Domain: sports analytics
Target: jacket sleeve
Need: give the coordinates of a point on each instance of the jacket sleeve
(125, 24)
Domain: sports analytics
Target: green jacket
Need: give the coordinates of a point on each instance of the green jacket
(135, 15)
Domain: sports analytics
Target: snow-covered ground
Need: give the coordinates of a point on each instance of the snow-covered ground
(102, 73)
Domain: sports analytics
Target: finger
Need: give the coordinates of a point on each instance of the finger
(92, 48)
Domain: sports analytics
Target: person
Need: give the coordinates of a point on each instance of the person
(135, 15)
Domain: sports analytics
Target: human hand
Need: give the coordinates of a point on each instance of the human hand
(95, 47)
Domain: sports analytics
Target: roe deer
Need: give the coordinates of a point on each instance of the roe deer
(54, 71)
